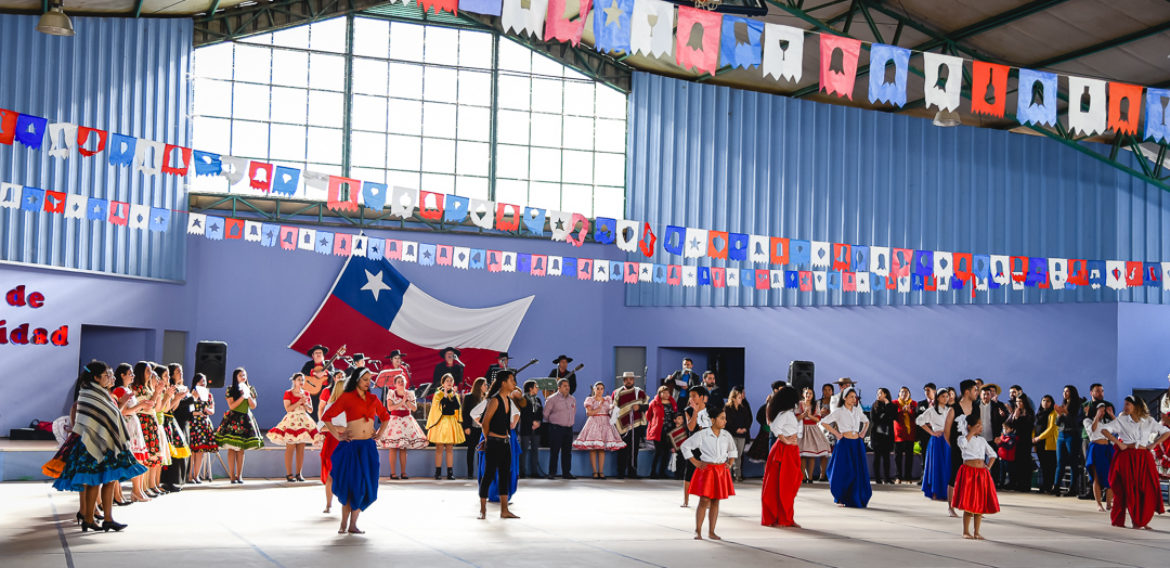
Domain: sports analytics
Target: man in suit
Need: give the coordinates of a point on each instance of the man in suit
(992, 429)
(683, 379)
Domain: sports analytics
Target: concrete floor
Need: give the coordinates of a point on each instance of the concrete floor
(424, 523)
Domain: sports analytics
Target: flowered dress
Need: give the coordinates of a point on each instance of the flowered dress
(149, 426)
(239, 431)
(598, 433)
(202, 433)
(137, 442)
(175, 437)
(297, 427)
(403, 432)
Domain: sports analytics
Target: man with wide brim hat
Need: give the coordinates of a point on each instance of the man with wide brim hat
(316, 372)
(842, 384)
(630, 404)
(450, 364)
(561, 371)
(495, 368)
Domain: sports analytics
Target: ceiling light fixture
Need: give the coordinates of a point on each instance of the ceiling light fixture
(947, 118)
(55, 22)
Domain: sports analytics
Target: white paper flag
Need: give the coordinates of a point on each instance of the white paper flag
(732, 277)
(942, 284)
(863, 283)
(315, 180)
(1057, 273)
(690, 276)
(783, 52)
(904, 284)
(645, 272)
(558, 224)
(1115, 274)
(943, 264)
(652, 28)
(940, 93)
(10, 195)
(74, 205)
(696, 243)
(879, 260)
(515, 17)
(139, 216)
(234, 169)
(62, 136)
(1001, 272)
(981, 284)
(777, 277)
(409, 251)
(758, 247)
(359, 246)
(1086, 105)
(553, 264)
(628, 234)
(600, 270)
(148, 157)
(308, 240)
(402, 202)
(196, 223)
(461, 257)
(819, 282)
(1166, 275)
(508, 262)
(822, 254)
(252, 231)
(482, 214)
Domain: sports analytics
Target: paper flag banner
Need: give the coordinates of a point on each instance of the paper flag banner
(454, 208)
(460, 256)
(83, 137)
(176, 160)
(10, 194)
(403, 200)
(697, 45)
(571, 269)
(376, 249)
(1125, 103)
(902, 261)
(888, 68)
(718, 277)
(260, 175)
(1097, 274)
(252, 231)
(792, 279)
(703, 276)
(8, 126)
(863, 285)
(989, 88)
(646, 272)
(563, 26)
(343, 193)
(539, 265)
(717, 244)
(600, 271)
(696, 243)
(652, 28)
(269, 234)
(214, 228)
(646, 243)
(839, 64)
(944, 266)
(674, 275)
(139, 216)
(799, 252)
(630, 274)
(616, 270)
(148, 157)
(196, 223)
(1000, 270)
(1037, 273)
(763, 279)
(32, 199)
(805, 281)
(120, 213)
(534, 220)
(981, 266)
(1157, 115)
(604, 230)
(451, 6)
(486, 7)
(524, 263)
(1057, 273)
(626, 235)
(308, 240)
(30, 130)
(288, 237)
(728, 275)
(690, 276)
(860, 259)
(842, 257)
(393, 248)
(524, 16)
(478, 259)
(904, 284)
(554, 266)
(313, 180)
(374, 195)
(611, 25)
(833, 280)
(1153, 275)
(916, 283)
(122, 149)
(758, 247)
(341, 244)
(359, 246)
(1037, 98)
(285, 180)
(409, 251)
(1115, 274)
(233, 169)
(1166, 276)
(674, 239)
(578, 229)
(206, 163)
(783, 52)
(1019, 268)
(74, 204)
(923, 262)
(1134, 273)
(427, 254)
(1078, 272)
(820, 282)
(508, 217)
(741, 46)
(944, 80)
(559, 225)
(233, 228)
(55, 202)
(324, 243)
(778, 254)
(481, 212)
(62, 135)
(822, 254)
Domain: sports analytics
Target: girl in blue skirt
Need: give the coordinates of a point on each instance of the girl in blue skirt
(936, 471)
(848, 469)
(355, 460)
(1099, 458)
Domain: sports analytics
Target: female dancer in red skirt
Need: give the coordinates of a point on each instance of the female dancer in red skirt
(712, 478)
(326, 438)
(1133, 476)
(974, 489)
(782, 475)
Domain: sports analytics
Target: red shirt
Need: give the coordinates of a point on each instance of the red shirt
(294, 399)
(355, 407)
(904, 428)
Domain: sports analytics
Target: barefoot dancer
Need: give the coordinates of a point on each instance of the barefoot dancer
(355, 461)
(974, 489)
(497, 439)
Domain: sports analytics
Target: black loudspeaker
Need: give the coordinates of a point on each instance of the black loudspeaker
(801, 374)
(211, 360)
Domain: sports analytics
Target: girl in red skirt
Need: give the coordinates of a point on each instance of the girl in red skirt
(782, 474)
(712, 478)
(974, 489)
(1133, 476)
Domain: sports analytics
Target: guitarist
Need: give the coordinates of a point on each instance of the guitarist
(562, 372)
(501, 364)
(630, 418)
(317, 372)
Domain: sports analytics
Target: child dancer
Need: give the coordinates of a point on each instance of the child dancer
(711, 481)
(782, 473)
(974, 489)
(445, 425)
(296, 430)
(936, 467)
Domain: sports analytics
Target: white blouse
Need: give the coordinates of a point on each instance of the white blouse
(1134, 432)
(1097, 434)
(477, 412)
(975, 448)
(934, 417)
(847, 420)
(712, 449)
(787, 424)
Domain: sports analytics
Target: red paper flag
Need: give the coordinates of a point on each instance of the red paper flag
(539, 262)
(54, 202)
(806, 284)
(8, 125)
(437, 5)
(697, 39)
(83, 133)
(1019, 268)
(576, 237)
(962, 262)
(1134, 273)
(718, 277)
(892, 282)
(1078, 272)
(900, 265)
(495, 261)
(430, 205)
(1125, 105)
(989, 88)
(565, 27)
(342, 244)
(779, 252)
(393, 249)
(631, 274)
(839, 64)
(585, 269)
(185, 156)
(674, 275)
(288, 237)
(119, 212)
(343, 193)
(930, 283)
(717, 244)
(842, 257)
(849, 281)
(233, 228)
(648, 241)
(445, 255)
(503, 211)
(762, 279)
(260, 175)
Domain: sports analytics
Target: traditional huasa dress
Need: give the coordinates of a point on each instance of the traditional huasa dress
(404, 432)
(936, 468)
(598, 433)
(100, 452)
(201, 431)
(297, 427)
(175, 438)
(848, 468)
(445, 420)
(813, 443)
(136, 441)
(239, 431)
(974, 488)
(782, 475)
(150, 429)
(714, 480)
(1134, 477)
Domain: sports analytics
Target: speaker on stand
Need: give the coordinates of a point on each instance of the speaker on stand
(211, 360)
(801, 374)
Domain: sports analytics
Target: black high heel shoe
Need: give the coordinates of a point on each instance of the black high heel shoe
(300, 478)
(85, 527)
(80, 519)
(112, 526)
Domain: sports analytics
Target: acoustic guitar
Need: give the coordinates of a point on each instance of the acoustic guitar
(318, 378)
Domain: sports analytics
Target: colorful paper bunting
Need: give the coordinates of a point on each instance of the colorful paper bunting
(989, 88)
(674, 239)
(486, 7)
(1037, 98)
(717, 244)
(8, 120)
(206, 163)
(783, 52)
(507, 217)
(564, 26)
(611, 25)
(451, 6)
(455, 209)
(839, 64)
(122, 150)
(652, 28)
(741, 46)
(343, 193)
(1157, 115)
(1087, 105)
(30, 130)
(260, 177)
(888, 69)
(696, 243)
(285, 180)
(430, 205)
(83, 136)
(1125, 103)
(213, 229)
(524, 16)
(604, 230)
(626, 236)
(697, 45)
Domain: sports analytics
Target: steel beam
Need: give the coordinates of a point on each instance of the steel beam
(1099, 47)
(138, 8)
(993, 22)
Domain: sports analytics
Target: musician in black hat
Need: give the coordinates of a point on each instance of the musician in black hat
(317, 372)
(395, 369)
(561, 371)
(450, 364)
(500, 364)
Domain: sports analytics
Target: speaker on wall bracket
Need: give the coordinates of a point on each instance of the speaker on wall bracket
(211, 360)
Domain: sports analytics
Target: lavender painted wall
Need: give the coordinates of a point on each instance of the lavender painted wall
(1143, 334)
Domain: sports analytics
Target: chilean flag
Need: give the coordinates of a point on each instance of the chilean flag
(373, 309)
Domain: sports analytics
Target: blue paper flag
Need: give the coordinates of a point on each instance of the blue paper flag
(877, 282)
(487, 7)
(1157, 119)
(737, 246)
(616, 270)
(1097, 275)
(860, 258)
(981, 266)
(427, 254)
(569, 267)
(834, 281)
(799, 253)
(524, 263)
(747, 277)
(791, 279)
(478, 259)
(923, 262)
(1036, 103)
(888, 65)
(376, 249)
(269, 234)
(1037, 272)
(604, 230)
(30, 130)
(374, 195)
(207, 163)
(324, 244)
(611, 25)
(160, 219)
(214, 228)
(916, 282)
(957, 283)
(32, 198)
(285, 180)
(673, 239)
(455, 209)
(659, 273)
(1153, 277)
(534, 220)
(703, 276)
(741, 46)
(121, 149)
(96, 209)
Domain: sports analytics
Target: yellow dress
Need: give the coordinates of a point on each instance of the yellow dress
(445, 420)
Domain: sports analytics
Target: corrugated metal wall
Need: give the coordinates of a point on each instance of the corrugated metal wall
(128, 76)
(723, 159)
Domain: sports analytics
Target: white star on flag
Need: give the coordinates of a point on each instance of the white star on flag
(375, 284)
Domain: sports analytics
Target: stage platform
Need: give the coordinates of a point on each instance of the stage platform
(611, 523)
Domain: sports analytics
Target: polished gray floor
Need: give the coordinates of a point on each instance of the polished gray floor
(424, 523)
